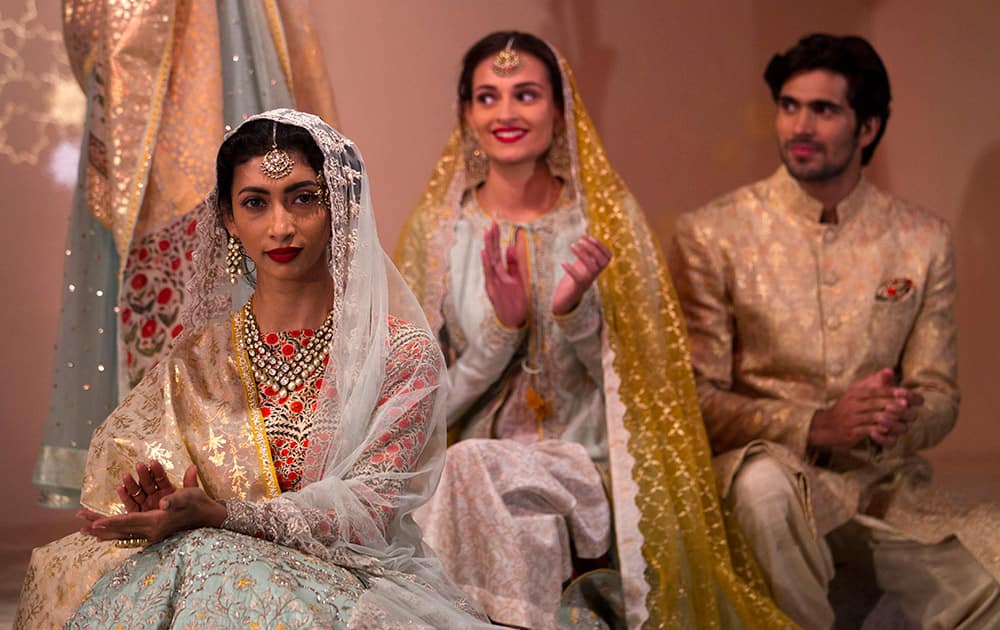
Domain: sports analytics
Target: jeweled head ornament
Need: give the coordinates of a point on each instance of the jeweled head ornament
(507, 60)
(277, 164)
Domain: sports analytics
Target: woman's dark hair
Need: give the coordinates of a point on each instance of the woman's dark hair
(492, 44)
(853, 57)
(253, 139)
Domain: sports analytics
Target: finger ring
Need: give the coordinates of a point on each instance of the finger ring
(137, 493)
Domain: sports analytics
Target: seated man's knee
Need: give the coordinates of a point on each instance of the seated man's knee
(763, 492)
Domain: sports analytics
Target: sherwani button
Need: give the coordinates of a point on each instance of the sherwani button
(830, 278)
(830, 235)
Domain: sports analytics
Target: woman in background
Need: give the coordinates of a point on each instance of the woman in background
(581, 456)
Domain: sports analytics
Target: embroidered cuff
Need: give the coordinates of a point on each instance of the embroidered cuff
(582, 321)
(242, 517)
(497, 335)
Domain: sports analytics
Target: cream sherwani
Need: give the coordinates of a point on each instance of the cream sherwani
(784, 313)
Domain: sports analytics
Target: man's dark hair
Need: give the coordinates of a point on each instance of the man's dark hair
(853, 57)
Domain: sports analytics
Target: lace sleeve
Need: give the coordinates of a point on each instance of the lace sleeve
(376, 479)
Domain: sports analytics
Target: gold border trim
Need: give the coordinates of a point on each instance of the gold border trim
(141, 178)
(88, 67)
(256, 420)
(280, 44)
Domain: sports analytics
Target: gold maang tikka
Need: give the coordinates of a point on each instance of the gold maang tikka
(507, 60)
(277, 164)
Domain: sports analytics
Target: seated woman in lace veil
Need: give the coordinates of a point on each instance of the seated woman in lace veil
(581, 461)
(266, 472)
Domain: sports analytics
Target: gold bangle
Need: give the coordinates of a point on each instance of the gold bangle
(131, 542)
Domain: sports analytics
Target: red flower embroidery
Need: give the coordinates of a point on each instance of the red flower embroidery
(175, 264)
(164, 245)
(177, 330)
(296, 407)
(164, 295)
(126, 315)
(148, 328)
(191, 226)
(271, 339)
(143, 254)
(287, 350)
(139, 280)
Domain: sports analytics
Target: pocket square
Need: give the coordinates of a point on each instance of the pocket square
(894, 290)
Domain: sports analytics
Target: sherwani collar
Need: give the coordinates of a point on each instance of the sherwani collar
(786, 193)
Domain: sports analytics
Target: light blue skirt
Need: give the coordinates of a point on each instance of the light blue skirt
(213, 578)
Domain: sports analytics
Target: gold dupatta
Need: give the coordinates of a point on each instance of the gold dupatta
(684, 563)
(200, 408)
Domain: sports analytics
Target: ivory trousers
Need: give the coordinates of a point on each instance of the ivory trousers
(939, 586)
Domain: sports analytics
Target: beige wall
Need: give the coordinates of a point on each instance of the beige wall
(675, 91)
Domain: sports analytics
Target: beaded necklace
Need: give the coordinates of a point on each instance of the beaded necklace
(284, 375)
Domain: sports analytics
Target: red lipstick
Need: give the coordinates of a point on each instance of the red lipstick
(509, 134)
(283, 254)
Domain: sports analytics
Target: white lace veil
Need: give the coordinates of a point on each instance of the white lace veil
(368, 289)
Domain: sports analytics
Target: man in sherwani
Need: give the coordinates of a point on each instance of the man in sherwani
(820, 315)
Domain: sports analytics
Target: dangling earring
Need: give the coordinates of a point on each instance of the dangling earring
(234, 258)
(477, 165)
(557, 158)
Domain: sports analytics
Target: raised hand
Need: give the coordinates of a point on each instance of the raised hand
(869, 408)
(592, 256)
(504, 284)
(188, 507)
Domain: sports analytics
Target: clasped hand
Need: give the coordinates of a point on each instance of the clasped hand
(154, 508)
(505, 284)
(872, 407)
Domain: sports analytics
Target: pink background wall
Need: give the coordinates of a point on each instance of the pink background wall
(676, 93)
